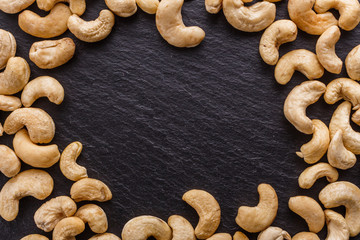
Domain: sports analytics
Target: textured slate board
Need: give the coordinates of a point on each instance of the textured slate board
(157, 121)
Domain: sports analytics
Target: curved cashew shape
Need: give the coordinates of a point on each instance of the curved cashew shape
(92, 31)
(349, 11)
(338, 156)
(68, 228)
(171, 27)
(15, 76)
(279, 32)
(105, 236)
(14, 6)
(309, 210)
(213, 6)
(68, 165)
(7, 47)
(240, 236)
(346, 194)
(53, 25)
(143, 227)
(94, 216)
(33, 154)
(34, 237)
(40, 125)
(336, 225)
(77, 7)
(181, 228)
(298, 100)
(9, 163)
(352, 63)
(208, 210)
(300, 11)
(36, 183)
(309, 176)
(343, 88)
(89, 189)
(148, 6)
(325, 50)
(305, 236)
(9, 103)
(255, 18)
(220, 236)
(274, 233)
(256, 219)
(356, 117)
(314, 150)
(300, 60)
(122, 8)
(44, 86)
(53, 211)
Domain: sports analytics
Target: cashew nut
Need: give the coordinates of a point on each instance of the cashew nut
(94, 216)
(298, 100)
(181, 228)
(220, 236)
(208, 210)
(343, 88)
(171, 27)
(148, 6)
(254, 18)
(89, 189)
(35, 183)
(300, 11)
(9, 163)
(256, 219)
(9, 103)
(336, 225)
(7, 46)
(105, 236)
(143, 227)
(14, 6)
(309, 176)
(325, 50)
(356, 117)
(122, 8)
(346, 194)
(34, 237)
(309, 210)
(281, 31)
(316, 148)
(68, 228)
(349, 11)
(352, 63)
(68, 165)
(338, 156)
(53, 25)
(240, 236)
(274, 233)
(15, 76)
(40, 125)
(54, 210)
(77, 7)
(92, 31)
(213, 6)
(306, 236)
(300, 60)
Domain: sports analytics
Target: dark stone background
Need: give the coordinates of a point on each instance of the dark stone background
(156, 121)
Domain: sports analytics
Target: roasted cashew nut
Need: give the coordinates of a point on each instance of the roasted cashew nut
(89, 189)
(336, 226)
(338, 156)
(309, 210)
(77, 7)
(352, 63)
(356, 117)
(343, 88)
(94, 216)
(346, 194)
(7, 46)
(281, 31)
(68, 228)
(40, 125)
(53, 25)
(240, 236)
(9, 163)
(256, 219)
(213, 6)
(274, 233)
(181, 228)
(122, 8)
(309, 176)
(15, 76)
(208, 210)
(220, 236)
(148, 6)
(14, 6)
(68, 165)
(34, 237)
(298, 100)
(105, 236)
(53, 211)
(171, 27)
(143, 227)
(9, 103)
(36, 183)
(305, 236)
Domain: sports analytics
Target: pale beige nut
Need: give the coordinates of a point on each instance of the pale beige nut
(53, 211)
(34, 237)
(305, 236)
(300, 60)
(344, 194)
(43, 86)
(338, 156)
(352, 63)
(254, 18)
(9, 163)
(15, 76)
(39, 124)
(92, 31)
(274, 233)
(14, 6)
(208, 210)
(89, 189)
(105, 236)
(220, 236)
(349, 11)
(77, 7)
(52, 25)
(316, 148)
(68, 228)
(309, 176)
(7, 46)
(256, 219)
(143, 227)
(181, 228)
(279, 32)
(9, 103)
(337, 227)
(36, 183)
(94, 216)
(50, 54)
(240, 236)
(298, 100)
(356, 117)
(148, 6)
(309, 210)
(213, 6)
(171, 26)
(300, 11)
(325, 50)
(122, 8)
(343, 88)
(1, 130)
(68, 165)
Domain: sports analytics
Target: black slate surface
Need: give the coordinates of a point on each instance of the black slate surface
(156, 121)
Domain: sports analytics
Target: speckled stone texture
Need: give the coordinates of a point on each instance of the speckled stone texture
(156, 121)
